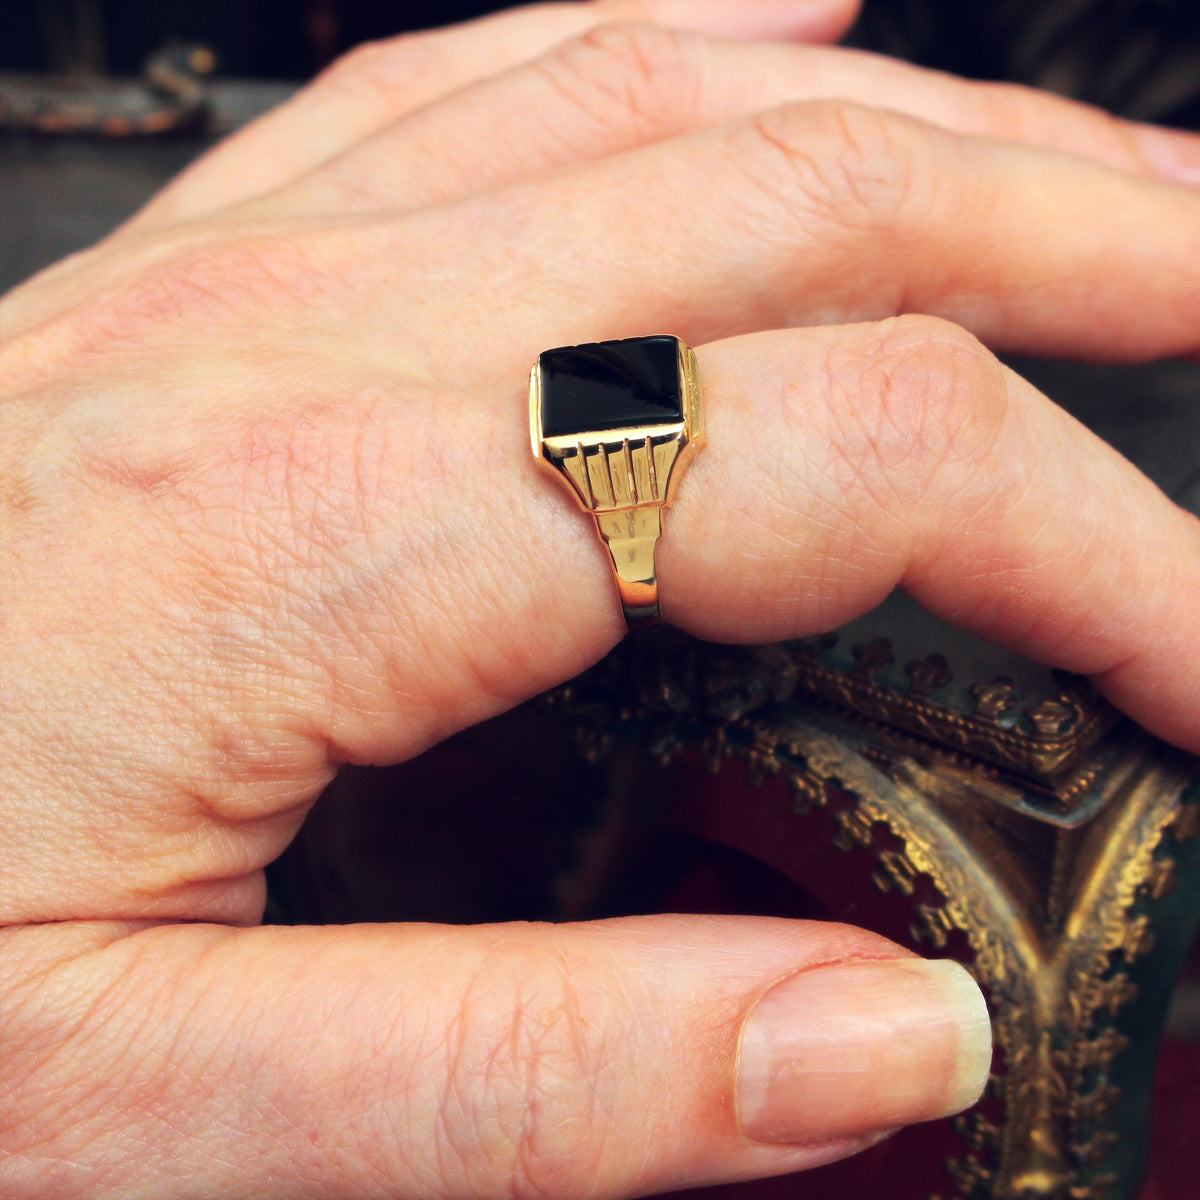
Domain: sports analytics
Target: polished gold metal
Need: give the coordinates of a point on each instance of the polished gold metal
(625, 478)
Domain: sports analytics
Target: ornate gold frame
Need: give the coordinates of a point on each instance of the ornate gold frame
(1060, 902)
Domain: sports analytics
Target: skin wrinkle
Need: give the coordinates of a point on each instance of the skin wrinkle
(211, 1051)
(452, 1109)
(874, 167)
(785, 208)
(35, 313)
(425, 1058)
(118, 852)
(461, 572)
(97, 1012)
(979, 264)
(1102, 529)
(959, 288)
(538, 1142)
(961, 410)
(522, 1060)
(1179, 596)
(1029, 626)
(932, 390)
(909, 370)
(282, 1107)
(988, 447)
(415, 71)
(204, 285)
(381, 67)
(543, 1042)
(842, 166)
(240, 1048)
(292, 465)
(283, 1020)
(553, 1159)
(394, 1120)
(618, 76)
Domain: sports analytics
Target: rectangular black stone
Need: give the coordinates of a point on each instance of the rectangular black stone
(610, 385)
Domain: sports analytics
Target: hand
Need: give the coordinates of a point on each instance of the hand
(269, 507)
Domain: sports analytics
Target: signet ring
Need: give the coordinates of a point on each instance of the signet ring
(616, 422)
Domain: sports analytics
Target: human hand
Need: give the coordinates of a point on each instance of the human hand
(269, 507)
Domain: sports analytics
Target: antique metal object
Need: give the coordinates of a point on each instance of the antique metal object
(1035, 837)
(172, 95)
(615, 420)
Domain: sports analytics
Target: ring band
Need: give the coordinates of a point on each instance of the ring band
(616, 422)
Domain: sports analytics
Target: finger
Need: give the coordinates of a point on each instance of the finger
(904, 455)
(622, 1058)
(820, 212)
(841, 463)
(379, 81)
(621, 86)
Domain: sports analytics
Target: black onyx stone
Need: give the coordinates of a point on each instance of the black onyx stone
(610, 385)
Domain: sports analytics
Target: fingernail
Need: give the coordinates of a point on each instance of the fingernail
(1175, 155)
(862, 1046)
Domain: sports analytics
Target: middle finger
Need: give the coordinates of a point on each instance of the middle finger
(622, 86)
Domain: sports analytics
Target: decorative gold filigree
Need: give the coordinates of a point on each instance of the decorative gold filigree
(1056, 992)
(1053, 941)
(1063, 727)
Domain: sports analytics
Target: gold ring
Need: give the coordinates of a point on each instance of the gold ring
(616, 421)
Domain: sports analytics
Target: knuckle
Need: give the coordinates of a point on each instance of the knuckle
(849, 165)
(372, 66)
(198, 282)
(521, 1089)
(282, 493)
(644, 73)
(923, 408)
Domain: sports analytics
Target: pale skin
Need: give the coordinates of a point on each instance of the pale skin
(269, 507)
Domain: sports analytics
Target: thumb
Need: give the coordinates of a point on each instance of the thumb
(610, 1059)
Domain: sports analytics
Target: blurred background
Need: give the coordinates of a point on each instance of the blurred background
(1140, 57)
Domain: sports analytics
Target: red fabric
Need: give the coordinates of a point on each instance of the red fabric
(1175, 1134)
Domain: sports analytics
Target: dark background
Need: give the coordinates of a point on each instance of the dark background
(1140, 57)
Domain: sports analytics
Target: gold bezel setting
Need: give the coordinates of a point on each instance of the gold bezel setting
(624, 476)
